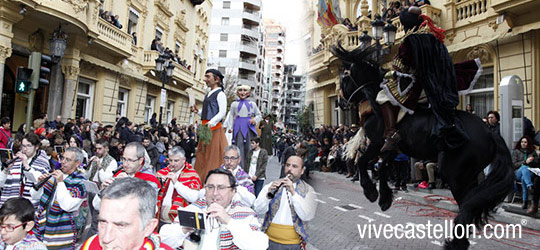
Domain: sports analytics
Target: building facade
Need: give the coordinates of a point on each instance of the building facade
(504, 34)
(275, 51)
(293, 97)
(235, 47)
(108, 69)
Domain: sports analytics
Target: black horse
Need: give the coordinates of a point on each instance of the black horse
(459, 167)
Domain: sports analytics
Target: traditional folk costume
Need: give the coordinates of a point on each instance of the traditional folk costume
(423, 68)
(17, 185)
(242, 178)
(58, 209)
(146, 175)
(103, 171)
(240, 114)
(99, 173)
(242, 231)
(213, 111)
(169, 199)
(286, 215)
(152, 242)
(30, 242)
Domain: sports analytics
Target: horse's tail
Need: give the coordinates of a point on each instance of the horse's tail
(485, 197)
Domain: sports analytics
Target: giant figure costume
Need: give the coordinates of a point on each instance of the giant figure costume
(214, 108)
(242, 117)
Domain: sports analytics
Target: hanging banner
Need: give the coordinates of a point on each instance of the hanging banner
(329, 13)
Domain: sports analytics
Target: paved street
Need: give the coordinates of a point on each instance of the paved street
(342, 209)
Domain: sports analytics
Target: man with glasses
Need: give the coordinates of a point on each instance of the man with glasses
(177, 174)
(244, 191)
(287, 211)
(63, 194)
(132, 166)
(31, 162)
(228, 224)
(231, 161)
(241, 120)
(16, 221)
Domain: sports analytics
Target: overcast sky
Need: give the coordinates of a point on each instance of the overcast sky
(288, 13)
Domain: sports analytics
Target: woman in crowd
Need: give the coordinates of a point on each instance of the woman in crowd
(75, 142)
(523, 157)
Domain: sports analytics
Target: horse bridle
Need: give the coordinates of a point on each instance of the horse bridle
(358, 86)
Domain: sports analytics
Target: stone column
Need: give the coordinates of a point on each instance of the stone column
(71, 75)
(56, 89)
(5, 53)
(9, 15)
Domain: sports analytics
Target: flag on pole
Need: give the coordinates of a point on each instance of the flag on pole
(329, 13)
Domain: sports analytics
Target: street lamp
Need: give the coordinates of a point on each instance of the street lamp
(379, 31)
(165, 69)
(58, 43)
(377, 28)
(389, 33)
(365, 40)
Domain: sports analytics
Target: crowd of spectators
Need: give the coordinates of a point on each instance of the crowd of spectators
(90, 176)
(157, 45)
(71, 152)
(55, 136)
(110, 17)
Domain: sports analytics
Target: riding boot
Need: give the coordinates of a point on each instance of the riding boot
(390, 133)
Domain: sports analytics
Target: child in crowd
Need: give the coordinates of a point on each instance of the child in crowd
(163, 160)
(16, 222)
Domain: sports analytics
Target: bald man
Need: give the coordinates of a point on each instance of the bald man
(286, 227)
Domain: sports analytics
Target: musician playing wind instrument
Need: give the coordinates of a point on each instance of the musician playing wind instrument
(228, 224)
(289, 205)
(133, 165)
(29, 160)
(63, 194)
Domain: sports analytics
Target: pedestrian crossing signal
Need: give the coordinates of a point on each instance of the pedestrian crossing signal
(23, 81)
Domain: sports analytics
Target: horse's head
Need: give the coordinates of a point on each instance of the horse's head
(360, 72)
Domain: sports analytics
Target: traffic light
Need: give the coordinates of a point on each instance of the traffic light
(23, 81)
(40, 63)
(45, 69)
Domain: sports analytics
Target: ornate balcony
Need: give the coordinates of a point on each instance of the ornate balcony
(180, 74)
(113, 38)
(81, 14)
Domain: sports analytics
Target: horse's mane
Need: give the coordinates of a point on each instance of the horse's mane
(358, 55)
(367, 66)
